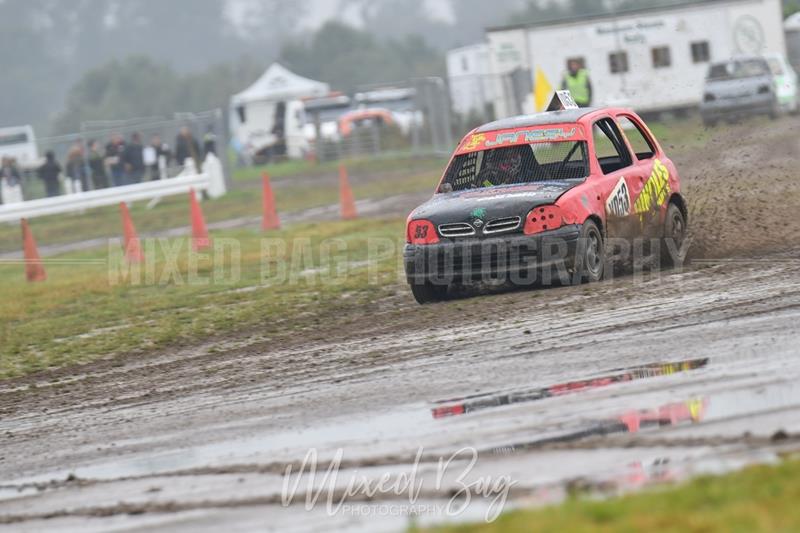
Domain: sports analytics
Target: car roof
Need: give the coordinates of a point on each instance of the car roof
(538, 119)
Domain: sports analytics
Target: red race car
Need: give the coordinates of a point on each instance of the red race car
(539, 197)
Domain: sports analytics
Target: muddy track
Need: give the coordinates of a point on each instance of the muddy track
(607, 387)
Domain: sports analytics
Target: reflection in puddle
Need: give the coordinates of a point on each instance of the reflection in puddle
(488, 401)
(671, 414)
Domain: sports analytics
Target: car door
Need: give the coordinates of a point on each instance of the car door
(648, 172)
(619, 175)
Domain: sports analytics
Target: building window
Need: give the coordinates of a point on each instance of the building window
(618, 62)
(661, 57)
(701, 52)
(581, 61)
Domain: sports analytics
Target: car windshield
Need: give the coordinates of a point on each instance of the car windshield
(743, 68)
(511, 165)
(776, 67)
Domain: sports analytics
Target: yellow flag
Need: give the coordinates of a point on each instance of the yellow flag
(542, 89)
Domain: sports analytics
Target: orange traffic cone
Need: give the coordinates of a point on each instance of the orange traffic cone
(271, 220)
(133, 249)
(200, 239)
(348, 204)
(34, 270)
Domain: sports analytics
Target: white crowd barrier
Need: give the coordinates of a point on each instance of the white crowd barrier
(211, 180)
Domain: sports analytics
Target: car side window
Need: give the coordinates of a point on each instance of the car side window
(610, 148)
(643, 147)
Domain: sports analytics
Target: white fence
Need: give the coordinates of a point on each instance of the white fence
(211, 180)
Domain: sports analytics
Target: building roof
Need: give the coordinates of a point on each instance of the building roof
(612, 15)
(567, 116)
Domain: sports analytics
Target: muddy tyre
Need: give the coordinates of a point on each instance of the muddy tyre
(428, 293)
(775, 112)
(590, 258)
(672, 242)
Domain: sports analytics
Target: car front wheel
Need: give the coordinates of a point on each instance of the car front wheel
(672, 244)
(590, 260)
(428, 293)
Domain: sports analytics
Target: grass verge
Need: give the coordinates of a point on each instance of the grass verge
(759, 498)
(93, 306)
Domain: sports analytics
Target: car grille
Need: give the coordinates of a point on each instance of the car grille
(502, 224)
(461, 229)
(476, 260)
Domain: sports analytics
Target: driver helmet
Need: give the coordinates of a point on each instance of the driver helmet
(509, 160)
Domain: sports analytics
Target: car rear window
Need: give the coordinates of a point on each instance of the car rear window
(743, 68)
(511, 165)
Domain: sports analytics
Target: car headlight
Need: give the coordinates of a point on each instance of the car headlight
(421, 232)
(543, 218)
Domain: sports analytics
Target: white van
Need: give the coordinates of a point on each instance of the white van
(19, 143)
(269, 129)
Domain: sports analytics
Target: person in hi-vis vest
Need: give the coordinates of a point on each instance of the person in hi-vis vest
(576, 81)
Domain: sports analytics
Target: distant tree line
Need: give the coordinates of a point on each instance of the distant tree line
(49, 46)
(56, 57)
(344, 57)
(138, 86)
(349, 59)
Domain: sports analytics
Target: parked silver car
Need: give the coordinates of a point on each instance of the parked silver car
(737, 88)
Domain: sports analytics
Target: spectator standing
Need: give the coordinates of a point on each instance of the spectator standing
(133, 158)
(210, 142)
(76, 167)
(157, 156)
(10, 180)
(97, 166)
(150, 155)
(10, 172)
(576, 81)
(114, 151)
(186, 147)
(49, 173)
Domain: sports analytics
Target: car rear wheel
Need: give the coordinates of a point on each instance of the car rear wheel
(675, 231)
(775, 111)
(428, 293)
(590, 260)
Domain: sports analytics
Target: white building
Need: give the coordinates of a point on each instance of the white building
(469, 78)
(649, 59)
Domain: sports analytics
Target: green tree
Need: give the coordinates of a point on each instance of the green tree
(47, 45)
(139, 87)
(348, 58)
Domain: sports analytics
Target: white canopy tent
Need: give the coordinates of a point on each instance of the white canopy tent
(269, 115)
(279, 83)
